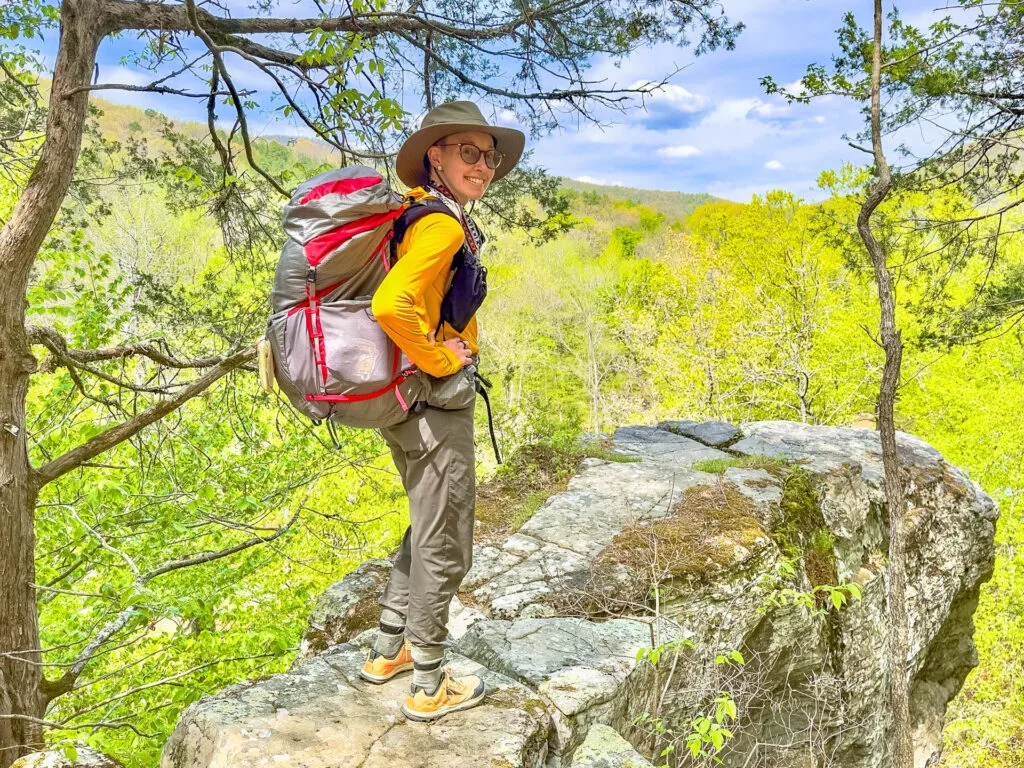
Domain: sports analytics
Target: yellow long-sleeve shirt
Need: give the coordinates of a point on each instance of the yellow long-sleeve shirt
(408, 302)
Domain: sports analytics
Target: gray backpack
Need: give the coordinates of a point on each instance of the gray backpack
(323, 345)
(330, 357)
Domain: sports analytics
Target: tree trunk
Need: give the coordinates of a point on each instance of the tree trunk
(21, 697)
(896, 595)
(20, 673)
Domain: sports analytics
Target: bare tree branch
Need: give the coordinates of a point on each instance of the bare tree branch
(162, 681)
(126, 14)
(236, 99)
(50, 338)
(208, 557)
(81, 726)
(111, 437)
(157, 89)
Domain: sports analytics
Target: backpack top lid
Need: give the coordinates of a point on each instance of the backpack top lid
(337, 197)
(336, 222)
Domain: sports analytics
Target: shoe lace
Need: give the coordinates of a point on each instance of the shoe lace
(452, 682)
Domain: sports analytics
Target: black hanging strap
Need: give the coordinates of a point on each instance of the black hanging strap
(333, 432)
(482, 385)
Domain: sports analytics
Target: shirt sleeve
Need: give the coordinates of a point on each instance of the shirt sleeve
(398, 303)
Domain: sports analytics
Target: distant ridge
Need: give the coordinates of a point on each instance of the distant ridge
(675, 205)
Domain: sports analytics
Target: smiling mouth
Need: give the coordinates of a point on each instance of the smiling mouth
(473, 180)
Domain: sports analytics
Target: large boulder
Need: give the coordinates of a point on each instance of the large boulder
(347, 608)
(322, 715)
(725, 560)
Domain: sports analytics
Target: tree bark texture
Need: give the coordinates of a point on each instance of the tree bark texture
(898, 643)
(22, 702)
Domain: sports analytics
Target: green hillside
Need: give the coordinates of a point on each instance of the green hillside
(120, 123)
(675, 205)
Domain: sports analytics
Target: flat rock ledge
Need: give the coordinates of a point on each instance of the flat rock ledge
(691, 542)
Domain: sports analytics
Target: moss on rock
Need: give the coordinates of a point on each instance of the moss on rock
(771, 464)
(803, 535)
(700, 537)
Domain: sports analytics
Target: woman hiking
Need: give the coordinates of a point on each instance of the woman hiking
(429, 312)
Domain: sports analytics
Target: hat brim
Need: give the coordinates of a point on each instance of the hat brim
(409, 162)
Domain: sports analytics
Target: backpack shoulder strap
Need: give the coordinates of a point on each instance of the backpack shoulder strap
(416, 211)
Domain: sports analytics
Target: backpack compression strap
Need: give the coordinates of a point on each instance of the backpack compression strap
(416, 211)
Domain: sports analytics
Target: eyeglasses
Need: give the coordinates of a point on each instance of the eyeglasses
(470, 153)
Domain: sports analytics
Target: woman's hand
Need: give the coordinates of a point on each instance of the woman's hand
(456, 345)
(460, 348)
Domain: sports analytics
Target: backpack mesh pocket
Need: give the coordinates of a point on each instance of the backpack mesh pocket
(329, 353)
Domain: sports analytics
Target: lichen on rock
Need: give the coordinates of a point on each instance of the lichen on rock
(605, 748)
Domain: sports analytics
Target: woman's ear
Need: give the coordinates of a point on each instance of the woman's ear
(434, 156)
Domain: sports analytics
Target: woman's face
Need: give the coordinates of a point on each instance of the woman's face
(468, 181)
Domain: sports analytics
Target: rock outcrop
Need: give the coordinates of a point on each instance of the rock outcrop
(726, 560)
(71, 756)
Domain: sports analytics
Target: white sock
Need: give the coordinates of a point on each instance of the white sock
(427, 663)
(390, 635)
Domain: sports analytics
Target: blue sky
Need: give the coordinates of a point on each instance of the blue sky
(711, 130)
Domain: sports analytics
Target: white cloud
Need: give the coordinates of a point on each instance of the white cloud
(728, 113)
(767, 110)
(679, 151)
(796, 87)
(600, 182)
(121, 75)
(675, 96)
(774, 165)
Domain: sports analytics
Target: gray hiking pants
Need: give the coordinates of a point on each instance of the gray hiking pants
(436, 459)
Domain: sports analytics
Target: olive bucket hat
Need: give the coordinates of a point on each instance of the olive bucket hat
(444, 120)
